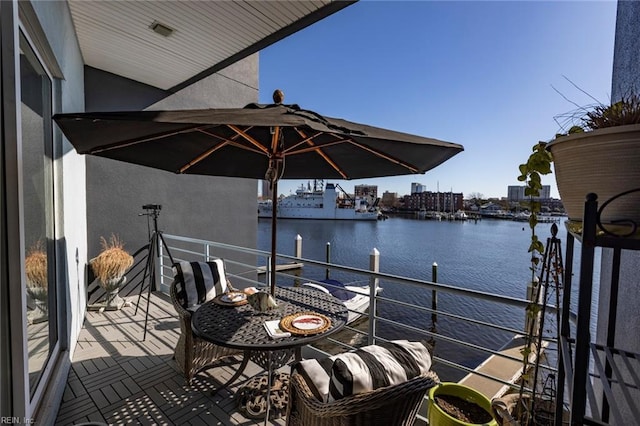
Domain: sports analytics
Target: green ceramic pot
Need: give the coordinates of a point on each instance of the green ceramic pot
(437, 417)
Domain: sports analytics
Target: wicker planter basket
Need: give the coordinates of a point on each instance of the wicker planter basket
(605, 162)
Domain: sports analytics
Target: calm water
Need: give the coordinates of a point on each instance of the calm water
(488, 255)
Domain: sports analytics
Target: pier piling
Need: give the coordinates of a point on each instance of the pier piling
(297, 247)
(328, 259)
(434, 294)
(374, 266)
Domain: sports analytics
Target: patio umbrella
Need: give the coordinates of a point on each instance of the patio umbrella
(272, 142)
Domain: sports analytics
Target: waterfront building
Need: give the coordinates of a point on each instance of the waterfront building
(434, 201)
(515, 197)
(516, 193)
(389, 199)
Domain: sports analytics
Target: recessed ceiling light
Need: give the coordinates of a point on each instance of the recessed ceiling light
(161, 29)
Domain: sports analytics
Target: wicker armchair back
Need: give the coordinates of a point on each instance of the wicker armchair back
(193, 354)
(395, 405)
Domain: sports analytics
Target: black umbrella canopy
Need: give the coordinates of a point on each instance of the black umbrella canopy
(272, 142)
(239, 143)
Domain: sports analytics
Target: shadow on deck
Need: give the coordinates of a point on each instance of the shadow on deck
(117, 378)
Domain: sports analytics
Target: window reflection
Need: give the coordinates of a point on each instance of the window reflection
(37, 193)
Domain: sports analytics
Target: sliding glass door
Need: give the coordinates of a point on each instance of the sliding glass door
(38, 213)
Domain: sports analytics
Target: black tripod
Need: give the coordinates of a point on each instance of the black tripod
(152, 211)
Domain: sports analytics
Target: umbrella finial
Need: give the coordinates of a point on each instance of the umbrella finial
(278, 96)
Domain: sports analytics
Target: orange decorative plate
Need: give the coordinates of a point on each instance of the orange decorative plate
(305, 323)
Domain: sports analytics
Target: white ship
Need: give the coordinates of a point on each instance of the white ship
(319, 203)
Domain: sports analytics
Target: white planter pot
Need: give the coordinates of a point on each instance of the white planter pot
(605, 162)
(112, 287)
(40, 297)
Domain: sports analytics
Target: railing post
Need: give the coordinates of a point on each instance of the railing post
(434, 294)
(328, 259)
(160, 267)
(374, 266)
(267, 271)
(297, 247)
(207, 252)
(297, 252)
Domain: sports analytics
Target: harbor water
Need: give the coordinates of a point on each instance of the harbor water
(488, 255)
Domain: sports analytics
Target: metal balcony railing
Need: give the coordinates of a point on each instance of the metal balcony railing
(463, 333)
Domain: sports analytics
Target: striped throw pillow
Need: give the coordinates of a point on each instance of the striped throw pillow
(199, 282)
(376, 366)
(365, 369)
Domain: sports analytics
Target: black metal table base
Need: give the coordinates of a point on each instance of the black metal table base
(239, 371)
(252, 397)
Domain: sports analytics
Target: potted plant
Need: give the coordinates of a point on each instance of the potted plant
(601, 155)
(35, 265)
(110, 267)
(453, 404)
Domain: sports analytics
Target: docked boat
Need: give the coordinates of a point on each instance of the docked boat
(321, 203)
(355, 297)
(460, 215)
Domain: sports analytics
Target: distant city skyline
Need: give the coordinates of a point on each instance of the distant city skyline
(512, 192)
(487, 75)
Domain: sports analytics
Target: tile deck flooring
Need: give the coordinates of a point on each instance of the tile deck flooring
(116, 377)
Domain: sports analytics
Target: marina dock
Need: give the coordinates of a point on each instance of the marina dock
(506, 369)
(282, 267)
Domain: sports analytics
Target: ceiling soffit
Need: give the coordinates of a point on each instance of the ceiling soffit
(207, 36)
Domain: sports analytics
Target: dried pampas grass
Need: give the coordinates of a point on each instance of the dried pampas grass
(113, 261)
(35, 265)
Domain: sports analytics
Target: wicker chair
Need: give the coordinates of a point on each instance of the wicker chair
(193, 354)
(395, 405)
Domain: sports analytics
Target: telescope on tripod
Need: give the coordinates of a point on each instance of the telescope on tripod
(152, 211)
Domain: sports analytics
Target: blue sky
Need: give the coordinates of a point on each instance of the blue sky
(477, 73)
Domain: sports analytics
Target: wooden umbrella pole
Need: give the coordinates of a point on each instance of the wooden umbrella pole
(272, 175)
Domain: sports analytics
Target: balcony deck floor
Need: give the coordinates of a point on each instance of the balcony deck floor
(116, 377)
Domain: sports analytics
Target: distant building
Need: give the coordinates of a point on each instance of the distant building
(516, 193)
(364, 191)
(418, 188)
(389, 199)
(434, 201)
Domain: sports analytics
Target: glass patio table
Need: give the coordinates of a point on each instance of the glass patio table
(242, 327)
